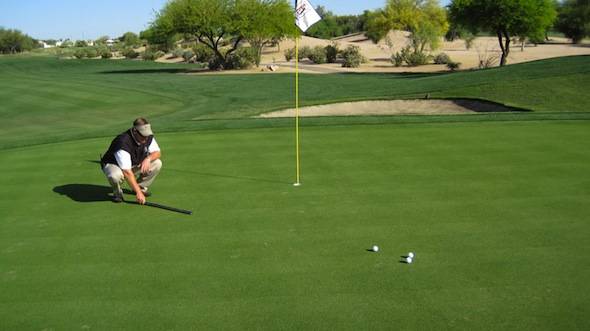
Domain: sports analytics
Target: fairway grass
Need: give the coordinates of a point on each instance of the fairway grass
(45, 100)
(496, 212)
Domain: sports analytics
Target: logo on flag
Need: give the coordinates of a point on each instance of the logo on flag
(305, 15)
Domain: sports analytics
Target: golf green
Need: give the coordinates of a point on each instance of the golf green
(496, 213)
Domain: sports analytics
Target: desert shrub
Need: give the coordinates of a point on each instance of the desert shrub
(130, 53)
(203, 53)
(411, 57)
(106, 54)
(188, 54)
(79, 53)
(453, 65)
(289, 54)
(117, 47)
(318, 55)
(64, 53)
(91, 52)
(442, 58)
(243, 58)
(400, 57)
(178, 52)
(397, 59)
(66, 44)
(536, 40)
(331, 53)
(148, 55)
(216, 64)
(352, 57)
(152, 54)
(488, 57)
(304, 52)
(417, 59)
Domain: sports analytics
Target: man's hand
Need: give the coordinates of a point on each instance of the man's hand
(145, 166)
(140, 198)
(130, 176)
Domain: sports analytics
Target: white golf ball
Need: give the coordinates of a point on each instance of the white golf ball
(410, 254)
(409, 260)
(375, 248)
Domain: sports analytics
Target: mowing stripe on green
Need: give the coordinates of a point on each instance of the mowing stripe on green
(496, 212)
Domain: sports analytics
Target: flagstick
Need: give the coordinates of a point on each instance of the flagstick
(298, 182)
(305, 16)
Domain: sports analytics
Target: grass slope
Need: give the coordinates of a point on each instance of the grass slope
(47, 100)
(496, 212)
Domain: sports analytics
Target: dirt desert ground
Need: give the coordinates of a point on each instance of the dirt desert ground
(379, 55)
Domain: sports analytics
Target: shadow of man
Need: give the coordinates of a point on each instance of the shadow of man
(84, 192)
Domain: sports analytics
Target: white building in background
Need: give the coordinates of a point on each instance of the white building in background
(46, 45)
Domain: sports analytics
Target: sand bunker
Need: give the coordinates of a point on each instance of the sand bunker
(394, 107)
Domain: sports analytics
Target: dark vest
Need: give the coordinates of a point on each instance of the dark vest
(126, 142)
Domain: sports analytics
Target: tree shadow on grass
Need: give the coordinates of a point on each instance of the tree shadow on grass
(155, 71)
(84, 192)
(483, 106)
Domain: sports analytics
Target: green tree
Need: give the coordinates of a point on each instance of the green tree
(327, 28)
(505, 18)
(334, 26)
(67, 43)
(426, 21)
(378, 25)
(81, 43)
(222, 25)
(14, 41)
(574, 19)
(101, 41)
(262, 23)
(350, 24)
(130, 39)
(160, 38)
(209, 21)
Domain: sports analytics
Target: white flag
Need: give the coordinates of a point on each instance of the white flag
(305, 15)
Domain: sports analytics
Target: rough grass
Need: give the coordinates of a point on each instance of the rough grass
(46, 100)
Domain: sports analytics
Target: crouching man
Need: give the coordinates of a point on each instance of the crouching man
(134, 155)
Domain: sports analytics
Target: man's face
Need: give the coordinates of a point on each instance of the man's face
(141, 139)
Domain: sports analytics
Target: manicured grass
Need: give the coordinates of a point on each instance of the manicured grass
(497, 213)
(495, 205)
(46, 100)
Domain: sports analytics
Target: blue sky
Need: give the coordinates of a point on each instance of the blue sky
(83, 19)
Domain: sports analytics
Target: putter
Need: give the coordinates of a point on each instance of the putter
(178, 210)
(157, 205)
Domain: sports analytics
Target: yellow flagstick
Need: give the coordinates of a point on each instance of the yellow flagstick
(298, 182)
(305, 16)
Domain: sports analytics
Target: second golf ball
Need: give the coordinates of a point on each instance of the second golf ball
(375, 248)
(410, 254)
(409, 260)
